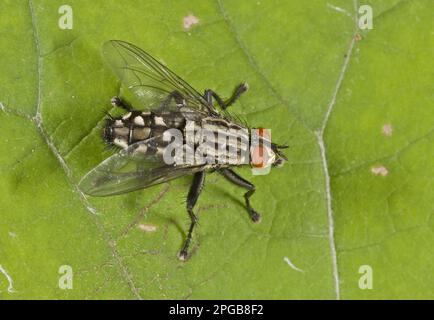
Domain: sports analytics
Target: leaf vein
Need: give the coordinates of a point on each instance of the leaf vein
(324, 160)
(39, 124)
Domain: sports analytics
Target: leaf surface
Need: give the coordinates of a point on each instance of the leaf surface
(355, 106)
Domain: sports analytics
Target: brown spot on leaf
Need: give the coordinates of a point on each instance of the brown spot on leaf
(357, 37)
(189, 21)
(387, 130)
(147, 227)
(380, 171)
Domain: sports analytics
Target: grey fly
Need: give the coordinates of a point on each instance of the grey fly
(168, 103)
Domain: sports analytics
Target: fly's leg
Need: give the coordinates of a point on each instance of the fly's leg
(193, 195)
(175, 95)
(209, 94)
(240, 181)
(239, 90)
(118, 102)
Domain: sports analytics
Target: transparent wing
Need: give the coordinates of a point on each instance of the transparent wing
(149, 80)
(130, 169)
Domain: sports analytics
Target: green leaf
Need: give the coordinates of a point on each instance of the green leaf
(355, 106)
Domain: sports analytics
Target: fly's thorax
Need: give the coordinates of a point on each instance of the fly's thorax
(218, 141)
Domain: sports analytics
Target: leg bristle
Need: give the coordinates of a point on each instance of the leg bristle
(256, 217)
(182, 255)
(245, 87)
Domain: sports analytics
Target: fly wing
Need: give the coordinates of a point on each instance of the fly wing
(131, 169)
(149, 80)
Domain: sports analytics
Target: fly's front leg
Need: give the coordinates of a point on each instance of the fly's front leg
(240, 89)
(240, 181)
(193, 195)
(118, 102)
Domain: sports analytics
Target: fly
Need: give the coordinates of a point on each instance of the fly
(169, 104)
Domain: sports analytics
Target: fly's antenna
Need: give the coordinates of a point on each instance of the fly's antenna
(277, 149)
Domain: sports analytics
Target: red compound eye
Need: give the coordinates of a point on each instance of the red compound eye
(259, 157)
(259, 154)
(263, 133)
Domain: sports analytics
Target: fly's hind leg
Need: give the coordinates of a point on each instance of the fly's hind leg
(239, 90)
(240, 181)
(193, 195)
(118, 102)
(175, 95)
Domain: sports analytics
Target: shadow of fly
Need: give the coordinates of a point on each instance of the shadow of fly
(169, 103)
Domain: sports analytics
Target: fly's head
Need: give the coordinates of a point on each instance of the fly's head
(265, 153)
(279, 158)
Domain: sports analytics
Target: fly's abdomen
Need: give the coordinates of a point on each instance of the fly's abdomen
(124, 131)
(138, 126)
